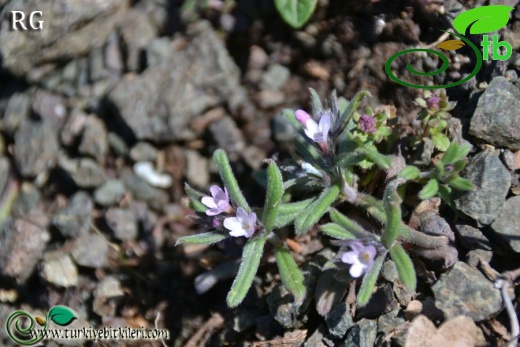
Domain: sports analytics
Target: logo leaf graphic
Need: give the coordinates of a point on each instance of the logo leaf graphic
(296, 12)
(451, 45)
(61, 315)
(483, 19)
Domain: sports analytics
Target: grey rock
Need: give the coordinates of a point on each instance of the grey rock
(507, 223)
(363, 334)
(22, 242)
(158, 51)
(159, 104)
(388, 324)
(73, 126)
(123, 223)
(496, 119)
(472, 238)
(5, 172)
(270, 98)
(36, 147)
(339, 320)
(319, 338)
(113, 56)
(275, 77)
(228, 136)
(59, 269)
(94, 141)
(27, 200)
(197, 169)
(143, 151)
(50, 107)
(464, 290)
(245, 319)
(109, 193)
(106, 295)
(141, 190)
(70, 29)
(492, 181)
(85, 172)
(91, 250)
(74, 219)
(389, 271)
(137, 31)
(118, 144)
(17, 110)
(382, 301)
(475, 256)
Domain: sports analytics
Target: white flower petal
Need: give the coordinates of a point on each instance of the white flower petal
(349, 257)
(212, 212)
(208, 201)
(232, 223)
(356, 270)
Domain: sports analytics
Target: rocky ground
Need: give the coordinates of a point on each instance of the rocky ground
(106, 113)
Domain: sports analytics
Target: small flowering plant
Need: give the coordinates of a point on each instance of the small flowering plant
(335, 147)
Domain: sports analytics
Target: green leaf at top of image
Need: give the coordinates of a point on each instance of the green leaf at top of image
(296, 12)
(482, 19)
(61, 315)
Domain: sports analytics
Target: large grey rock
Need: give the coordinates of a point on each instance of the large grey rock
(492, 181)
(85, 172)
(74, 219)
(159, 104)
(71, 28)
(94, 141)
(363, 334)
(463, 290)
(59, 269)
(496, 119)
(507, 224)
(472, 238)
(123, 223)
(339, 320)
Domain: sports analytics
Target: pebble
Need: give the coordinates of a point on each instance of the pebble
(197, 169)
(228, 137)
(74, 220)
(143, 151)
(109, 193)
(339, 320)
(472, 238)
(107, 293)
(85, 172)
(17, 110)
(94, 142)
(123, 223)
(363, 334)
(59, 270)
(91, 250)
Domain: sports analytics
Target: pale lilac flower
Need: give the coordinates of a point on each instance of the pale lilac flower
(360, 258)
(318, 133)
(218, 202)
(242, 225)
(367, 124)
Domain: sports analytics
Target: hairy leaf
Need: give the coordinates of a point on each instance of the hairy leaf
(195, 197)
(349, 112)
(202, 239)
(230, 182)
(404, 266)
(317, 106)
(292, 277)
(312, 214)
(410, 173)
(337, 231)
(461, 184)
(287, 213)
(273, 196)
(429, 190)
(296, 12)
(377, 158)
(251, 257)
(369, 281)
(392, 206)
(348, 224)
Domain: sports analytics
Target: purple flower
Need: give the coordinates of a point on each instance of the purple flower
(434, 102)
(242, 225)
(218, 202)
(318, 133)
(360, 258)
(367, 124)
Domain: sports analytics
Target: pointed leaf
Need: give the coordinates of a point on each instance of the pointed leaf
(451, 152)
(429, 190)
(273, 195)
(350, 159)
(369, 281)
(230, 182)
(461, 184)
(202, 239)
(246, 273)
(348, 224)
(61, 315)
(317, 106)
(450, 45)
(287, 213)
(404, 266)
(195, 197)
(482, 19)
(349, 112)
(291, 118)
(337, 232)
(292, 277)
(312, 214)
(296, 12)
(445, 194)
(410, 173)
(377, 158)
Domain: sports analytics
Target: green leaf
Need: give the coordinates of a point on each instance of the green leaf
(287, 213)
(291, 118)
(202, 239)
(349, 112)
(369, 281)
(392, 207)
(482, 19)
(296, 12)
(410, 173)
(348, 224)
(195, 197)
(251, 257)
(461, 184)
(317, 106)
(462, 152)
(230, 182)
(377, 158)
(61, 315)
(337, 232)
(451, 152)
(292, 277)
(273, 196)
(404, 266)
(445, 194)
(350, 159)
(441, 141)
(312, 214)
(429, 190)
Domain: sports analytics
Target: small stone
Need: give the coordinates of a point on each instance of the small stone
(496, 120)
(137, 31)
(27, 200)
(275, 77)
(85, 172)
(270, 98)
(388, 323)
(143, 151)
(94, 141)
(363, 334)
(507, 223)
(106, 295)
(319, 338)
(382, 301)
(413, 309)
(123, 223)
(197, 169)
(492, 181)
(5, 172)
(389, 271)
(245, 318)
(339, 320)
(141, 190)
(73, 126)
(59, 270)
(463, 290)
(22, 243)
(228, 136)
(254, 156)
(17, 110)
(109, 193)
(74, 219)
(50, 107)
(258, 58)
(471, 237)
(91, 250)
(118, 144)
(475, 256)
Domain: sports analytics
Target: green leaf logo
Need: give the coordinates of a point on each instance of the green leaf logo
(61, 315)
(296, 12)
(483, 19)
